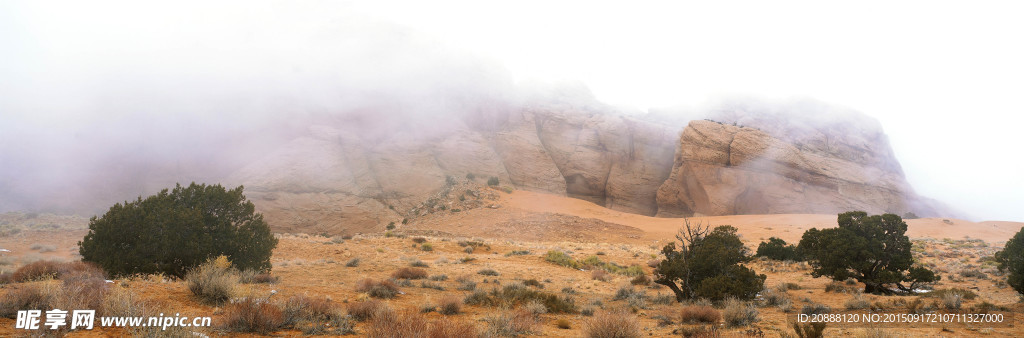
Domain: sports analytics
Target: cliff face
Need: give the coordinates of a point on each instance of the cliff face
(335, 181)
(725, 170)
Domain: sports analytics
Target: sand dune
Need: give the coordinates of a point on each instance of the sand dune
(754, 228)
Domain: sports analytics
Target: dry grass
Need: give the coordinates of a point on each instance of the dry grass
(366, 310)
(27, 297)
(600, 275)
(511, 324)
(81, 291)
(377, 289)
(389, 323)
(563, 324)
(446, 327)
(607, 324)
(699, 314)
(809, 330)
(212, 282)
(254, 277)
(409, 273)
(515, 294)
(304, 308)
(641, 280)
(858, 302)
(450, 305)
(253, 316)
(315, 316)
(40, 270)
(739, 313)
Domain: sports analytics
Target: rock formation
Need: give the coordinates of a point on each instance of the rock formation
(751, 161)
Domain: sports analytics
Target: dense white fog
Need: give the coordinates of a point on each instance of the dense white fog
(100, 98)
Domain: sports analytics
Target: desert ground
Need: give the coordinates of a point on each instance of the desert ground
(504, 242)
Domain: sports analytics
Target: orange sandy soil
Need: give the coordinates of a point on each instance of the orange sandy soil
(313, 265)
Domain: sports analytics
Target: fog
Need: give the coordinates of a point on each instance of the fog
(104, 99)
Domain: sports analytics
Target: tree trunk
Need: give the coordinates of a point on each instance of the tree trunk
(680, 297)
(873, 288)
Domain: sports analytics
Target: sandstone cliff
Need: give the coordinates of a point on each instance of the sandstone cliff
(338, 180)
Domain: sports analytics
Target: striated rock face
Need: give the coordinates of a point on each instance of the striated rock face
(725, 170)
(336, 181)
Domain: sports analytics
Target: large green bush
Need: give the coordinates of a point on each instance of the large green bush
(174, 231)
(708, 265)
(871, 249)
(1011, 259)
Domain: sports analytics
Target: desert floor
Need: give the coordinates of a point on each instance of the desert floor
(531, 224)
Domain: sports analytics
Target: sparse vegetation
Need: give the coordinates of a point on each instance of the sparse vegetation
(316, 316)
(493, 181)
(450, 305)
(515, 294)
(365, 310)
(511, 324)
(943, 293)
(213, 282)
(612, 325)
(699, 314)
(377, 289)
(253, 277)
(409, 273)
(739, 313)
(251, 315)
(390, 323)
(809, 330)
(40, 270)
(29, 297)
(354, 262)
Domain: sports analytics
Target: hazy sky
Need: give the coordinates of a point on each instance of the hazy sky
(944, 79)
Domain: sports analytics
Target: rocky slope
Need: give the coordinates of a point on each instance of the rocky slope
(339, 180)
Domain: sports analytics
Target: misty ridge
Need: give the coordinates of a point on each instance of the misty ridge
(88, 134)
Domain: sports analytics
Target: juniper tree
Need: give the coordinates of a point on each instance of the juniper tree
(174, 231)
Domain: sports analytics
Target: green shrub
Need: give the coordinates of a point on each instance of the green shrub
(561, 258)
(874, 250)
(776, 248)
(1011, 259)
(174, 231)
(427, 247)
(707, 265)
(493, 181)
